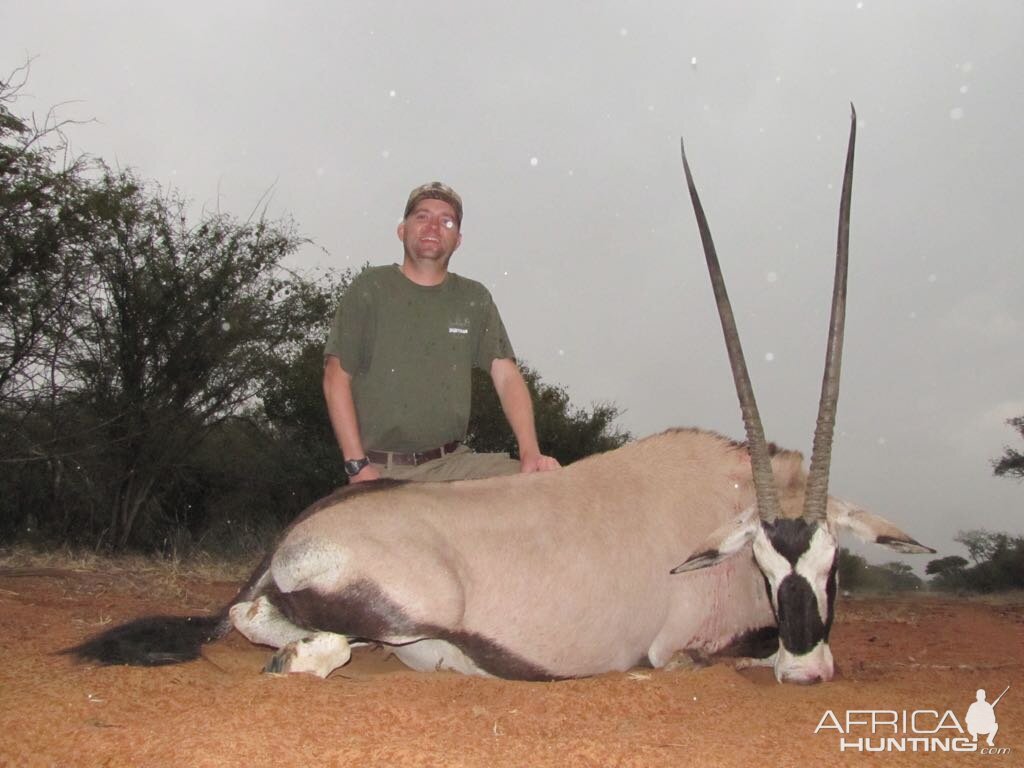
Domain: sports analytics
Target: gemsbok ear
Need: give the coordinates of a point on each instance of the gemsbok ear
(724, 542)
(871, 528)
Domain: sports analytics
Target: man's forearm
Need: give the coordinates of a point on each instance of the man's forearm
(516, 404)
(341, 409)
(518, 410)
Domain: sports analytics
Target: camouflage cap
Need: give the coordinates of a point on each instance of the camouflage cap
(435, 190)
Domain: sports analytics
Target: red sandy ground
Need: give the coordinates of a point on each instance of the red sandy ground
(893, 653)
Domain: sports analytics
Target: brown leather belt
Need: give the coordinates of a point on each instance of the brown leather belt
(411, 459)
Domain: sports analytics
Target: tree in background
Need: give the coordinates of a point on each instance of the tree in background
(41, 223)
(308, 461)
(1011, 464)
(564, 431)
(851, 570)
(182, 323)
(900, 576)
(998, 563)
(947, 572)
(982, 545)
(857, 575)
(43, 229)
(166, 328)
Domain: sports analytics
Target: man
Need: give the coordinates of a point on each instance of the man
(981, 717)
(399, 356)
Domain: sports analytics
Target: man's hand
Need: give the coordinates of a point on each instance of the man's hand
(369, 472)
(537, 463)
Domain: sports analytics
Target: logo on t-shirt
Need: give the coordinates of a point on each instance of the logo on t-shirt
(459, 326)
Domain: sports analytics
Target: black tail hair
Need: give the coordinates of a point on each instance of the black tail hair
(152, 641)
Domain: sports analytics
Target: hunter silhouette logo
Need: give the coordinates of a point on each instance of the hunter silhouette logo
(981, 717)
(917, 730)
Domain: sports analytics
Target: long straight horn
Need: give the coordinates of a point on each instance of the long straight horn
(816, 497)
(760, 460)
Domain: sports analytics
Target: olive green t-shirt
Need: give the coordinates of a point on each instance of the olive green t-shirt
(410, 350)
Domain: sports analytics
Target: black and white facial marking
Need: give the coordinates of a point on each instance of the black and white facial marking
(799, 559)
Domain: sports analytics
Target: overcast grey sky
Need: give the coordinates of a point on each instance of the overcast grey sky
(559, 123)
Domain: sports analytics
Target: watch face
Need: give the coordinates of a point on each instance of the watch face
(355, 466)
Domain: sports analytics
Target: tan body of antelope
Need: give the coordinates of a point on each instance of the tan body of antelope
(569, 573)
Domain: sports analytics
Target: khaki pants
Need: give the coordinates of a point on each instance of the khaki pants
(460, 464)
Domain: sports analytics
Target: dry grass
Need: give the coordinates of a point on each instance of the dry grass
(202, 566)
(1012, 597)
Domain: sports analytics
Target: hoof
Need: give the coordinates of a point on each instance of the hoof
(280, 663)
(318, 654)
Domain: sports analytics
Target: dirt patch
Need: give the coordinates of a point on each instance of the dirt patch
(923, 653)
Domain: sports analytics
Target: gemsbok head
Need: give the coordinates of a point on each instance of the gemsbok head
(794, 535)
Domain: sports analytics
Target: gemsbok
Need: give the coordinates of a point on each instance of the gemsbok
(685, 541)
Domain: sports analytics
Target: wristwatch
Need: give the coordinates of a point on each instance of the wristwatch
(355, 466)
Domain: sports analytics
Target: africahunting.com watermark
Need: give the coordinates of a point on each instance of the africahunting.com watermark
(917, 730)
